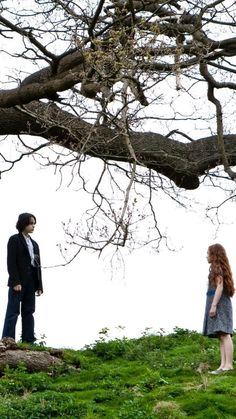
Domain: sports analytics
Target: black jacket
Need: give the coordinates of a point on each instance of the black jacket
(19, 262)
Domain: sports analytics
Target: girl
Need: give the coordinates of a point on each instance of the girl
(218, 321)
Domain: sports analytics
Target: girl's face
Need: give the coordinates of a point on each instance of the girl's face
(208, 256)
(30, 227)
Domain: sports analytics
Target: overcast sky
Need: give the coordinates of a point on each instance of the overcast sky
(156, 290)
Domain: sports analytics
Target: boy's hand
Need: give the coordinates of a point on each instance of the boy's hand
(17, 288)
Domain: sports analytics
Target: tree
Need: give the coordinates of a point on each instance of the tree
(144, 86)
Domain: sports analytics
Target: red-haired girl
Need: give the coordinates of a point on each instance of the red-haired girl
(218, 321)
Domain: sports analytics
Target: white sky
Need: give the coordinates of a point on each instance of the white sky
(156, 290)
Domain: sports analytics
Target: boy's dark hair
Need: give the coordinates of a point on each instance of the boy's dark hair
(24, 220)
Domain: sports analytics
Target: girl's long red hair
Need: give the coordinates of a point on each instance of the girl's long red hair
(220, 266)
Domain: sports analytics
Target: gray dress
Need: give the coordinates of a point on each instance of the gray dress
(223, 321)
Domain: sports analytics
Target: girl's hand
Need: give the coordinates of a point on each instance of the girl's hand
(212, 312)
(38, 293)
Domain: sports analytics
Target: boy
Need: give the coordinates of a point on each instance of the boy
(25, 279)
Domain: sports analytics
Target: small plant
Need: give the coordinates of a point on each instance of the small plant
(168, 410)
(42, 340)
(135, 409)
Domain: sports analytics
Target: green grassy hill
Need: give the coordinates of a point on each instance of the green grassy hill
(154, 376)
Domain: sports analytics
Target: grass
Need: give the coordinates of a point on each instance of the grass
(154, 376)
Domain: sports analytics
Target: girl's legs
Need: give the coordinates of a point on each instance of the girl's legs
(222, 354)
(226, 349)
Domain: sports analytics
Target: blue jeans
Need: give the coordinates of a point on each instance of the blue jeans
(24, 299)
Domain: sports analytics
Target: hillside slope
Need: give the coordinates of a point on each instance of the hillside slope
(155, 376)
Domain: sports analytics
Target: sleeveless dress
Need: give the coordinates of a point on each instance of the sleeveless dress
(223, 321)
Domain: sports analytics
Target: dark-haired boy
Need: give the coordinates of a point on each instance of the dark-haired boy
(25, 279)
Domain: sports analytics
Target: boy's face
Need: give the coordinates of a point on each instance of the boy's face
(30, 227)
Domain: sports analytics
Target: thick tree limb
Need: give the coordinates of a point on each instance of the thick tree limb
(180, 162)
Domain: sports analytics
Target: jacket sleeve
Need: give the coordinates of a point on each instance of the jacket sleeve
(40, 282)
(38, 266)
(12, 264)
